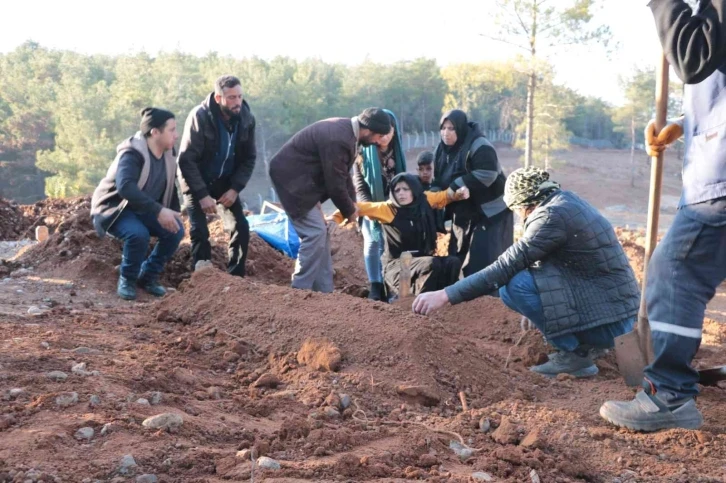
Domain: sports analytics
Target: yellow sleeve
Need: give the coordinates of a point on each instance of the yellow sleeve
(437, 199)
(378, 211)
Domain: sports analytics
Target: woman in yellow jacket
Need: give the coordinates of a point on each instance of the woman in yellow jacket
(409, 225)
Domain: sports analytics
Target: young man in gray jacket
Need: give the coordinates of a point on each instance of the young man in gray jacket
(137, 199)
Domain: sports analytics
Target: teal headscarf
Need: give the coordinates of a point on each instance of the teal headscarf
(372, 173)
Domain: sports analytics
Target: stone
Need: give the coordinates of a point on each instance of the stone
(94, 401)
(244, 455)
(534, 477)
(143, 402)
(155, 398)
(267, 380)
(484, 424)
(147, 478)
(128, 465)
(331, 413)
(84, 434)
(41, 233)
(34, 310)
(482, 476)
(57, 376)
(16, 392)
(106, 429)
(66, 399)
(463, 452)
(79, 368)
(268, 463)
(345, 401)
(506, 433)
(230, 356)
(45, 345)
(533, 440)
(202, 265)
(165, 421)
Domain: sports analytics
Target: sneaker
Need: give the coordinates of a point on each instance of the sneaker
(376, 291)
(151, 286)
(649, 413)
(566, 363)
(126, 288)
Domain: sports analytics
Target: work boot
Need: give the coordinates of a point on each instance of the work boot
(566, 363)
(650, 413)
(376, 291)
(151, 285)
(126, 288)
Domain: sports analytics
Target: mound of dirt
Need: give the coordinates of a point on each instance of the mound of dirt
(52, 212)
(13, 224)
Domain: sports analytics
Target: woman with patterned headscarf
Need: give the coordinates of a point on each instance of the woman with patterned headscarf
(373, 171)
(567, 273)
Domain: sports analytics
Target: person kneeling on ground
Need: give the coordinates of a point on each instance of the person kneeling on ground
(137, 199)
(409, 225)
(567, 273)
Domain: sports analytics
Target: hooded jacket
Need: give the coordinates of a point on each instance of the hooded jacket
(200, 145)
(124, 183)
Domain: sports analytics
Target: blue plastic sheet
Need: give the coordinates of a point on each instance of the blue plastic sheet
(276, 229)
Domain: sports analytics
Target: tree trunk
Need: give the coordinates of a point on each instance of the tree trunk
(531, 88)
(632, 152)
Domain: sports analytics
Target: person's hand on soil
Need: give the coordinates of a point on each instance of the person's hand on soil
(673, 130)
(427, 303)
(228, 198)
(170, 220)
(209, 206)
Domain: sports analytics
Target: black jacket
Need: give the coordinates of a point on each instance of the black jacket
(199, 145)
(581, 271)
(124, 182)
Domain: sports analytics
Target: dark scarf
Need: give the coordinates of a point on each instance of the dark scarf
(461, 126)
(417, 212)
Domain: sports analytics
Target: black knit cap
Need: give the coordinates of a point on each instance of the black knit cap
(376, 120)
(153, 117)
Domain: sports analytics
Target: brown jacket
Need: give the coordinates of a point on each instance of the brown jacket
(314, 166)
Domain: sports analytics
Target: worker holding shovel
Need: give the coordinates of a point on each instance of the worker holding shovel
(690, 262)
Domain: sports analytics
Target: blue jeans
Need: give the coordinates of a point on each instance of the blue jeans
(372, 250)
(683, 273)
(135, 230)
(521, 295)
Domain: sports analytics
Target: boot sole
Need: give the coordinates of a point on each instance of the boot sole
(126, 297)
(649, 427)
(580, 373)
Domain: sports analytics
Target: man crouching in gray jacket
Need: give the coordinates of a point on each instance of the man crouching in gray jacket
(568, 274)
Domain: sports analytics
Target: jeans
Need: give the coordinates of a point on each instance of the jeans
(521, 295)
(683, 273)
(135, 230)
(235, 225)
(372, 249)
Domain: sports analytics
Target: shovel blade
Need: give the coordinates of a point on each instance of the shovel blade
(630, 358)
(709, 377)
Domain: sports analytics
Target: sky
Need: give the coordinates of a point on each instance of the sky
(333, 30)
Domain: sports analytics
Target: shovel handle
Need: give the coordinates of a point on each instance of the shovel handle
(656, 183)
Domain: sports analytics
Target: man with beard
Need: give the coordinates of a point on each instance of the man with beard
(216, 159)
(312, 167)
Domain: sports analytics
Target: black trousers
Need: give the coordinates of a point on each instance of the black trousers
(478, 241)
(235, 225)
(427, 274)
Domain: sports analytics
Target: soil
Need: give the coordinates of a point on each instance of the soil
(332, 386)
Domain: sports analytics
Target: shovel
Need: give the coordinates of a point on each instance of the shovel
(405, 275)
(709, 377)
(634, 351)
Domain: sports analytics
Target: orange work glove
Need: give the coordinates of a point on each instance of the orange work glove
(672, 131)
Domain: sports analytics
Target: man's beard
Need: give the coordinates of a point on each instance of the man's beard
(229, 112)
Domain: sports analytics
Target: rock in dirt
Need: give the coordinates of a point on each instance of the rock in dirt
(84, 434)
(106, 429)
(202, 265)
(482, 476)
(345, 401)
(79, 368)
(268, 463)
(484, 424)
(155, 398)
(244, 455)
(66, 399)
(166, 421)
(127, 465)
(147, 478)
(419, 394)
(94, 401)
(34, 310)
(320, 355)
(427, 460)
(57, 376)
(143, 402)
(15, 393)
(506, 433)
(534, 477)
(533, 440)
(267, 380)
(460, 450)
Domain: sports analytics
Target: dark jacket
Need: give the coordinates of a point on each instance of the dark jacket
(200, 144)
(582, 274)
(471, 162)
(695, 46)
(314, 166)
(362, 188)
(123, 185)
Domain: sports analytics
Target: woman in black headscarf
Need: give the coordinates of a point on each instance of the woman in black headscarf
(409, 225)
(482, 227)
